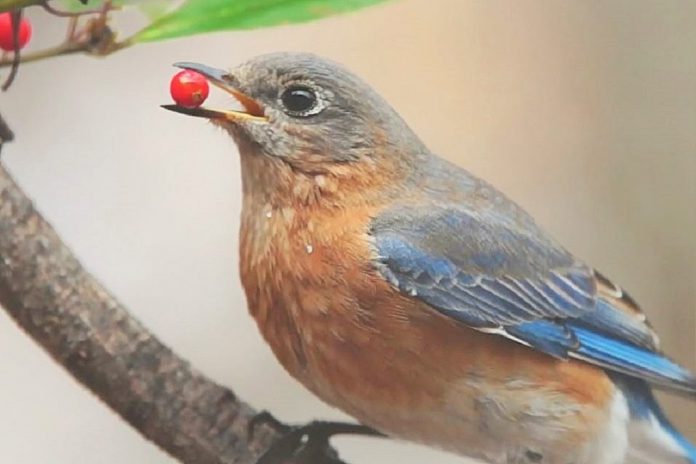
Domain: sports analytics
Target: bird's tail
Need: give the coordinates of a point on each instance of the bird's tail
(687, 448)
(652, 438)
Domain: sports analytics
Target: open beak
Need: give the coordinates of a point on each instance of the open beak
(252, 109)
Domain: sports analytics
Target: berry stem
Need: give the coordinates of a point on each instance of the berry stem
(72, 27)
(16, 16)
(76, 14)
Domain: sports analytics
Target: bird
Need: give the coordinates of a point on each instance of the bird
(420, 300)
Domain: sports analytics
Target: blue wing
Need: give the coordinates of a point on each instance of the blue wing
(500, 273)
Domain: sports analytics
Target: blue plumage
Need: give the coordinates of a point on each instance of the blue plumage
(643, 407)
(505, 276)
(547, 336)
(622, 356)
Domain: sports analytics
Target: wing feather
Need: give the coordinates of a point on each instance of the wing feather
(506, 277)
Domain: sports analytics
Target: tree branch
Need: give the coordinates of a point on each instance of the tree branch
(85, 329)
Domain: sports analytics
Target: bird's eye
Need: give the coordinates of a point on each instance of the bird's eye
(300, 100)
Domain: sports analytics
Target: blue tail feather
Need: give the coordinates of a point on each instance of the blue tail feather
(621, 356)
(688, 448)
(643, 406)
(576, 339)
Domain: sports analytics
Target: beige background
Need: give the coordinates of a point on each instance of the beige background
(585, 112)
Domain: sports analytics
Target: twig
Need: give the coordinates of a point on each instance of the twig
(94, 46)
(6, 134)
(85, 329)
(72, 27)
(96, 38)
(63, 49)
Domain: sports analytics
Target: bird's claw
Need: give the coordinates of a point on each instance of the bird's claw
(310, 443)
(266, 418)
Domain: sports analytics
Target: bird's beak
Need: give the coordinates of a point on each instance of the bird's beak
(253, 111)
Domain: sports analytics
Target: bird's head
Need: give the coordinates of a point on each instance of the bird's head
(307, 111)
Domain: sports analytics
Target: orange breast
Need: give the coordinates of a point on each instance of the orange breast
(353, 340)
(387, 359)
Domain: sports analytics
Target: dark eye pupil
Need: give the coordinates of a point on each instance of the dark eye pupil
(299, 99)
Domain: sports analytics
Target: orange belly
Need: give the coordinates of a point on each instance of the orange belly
(396, 364)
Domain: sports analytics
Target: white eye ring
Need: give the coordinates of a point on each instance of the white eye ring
(301, 99)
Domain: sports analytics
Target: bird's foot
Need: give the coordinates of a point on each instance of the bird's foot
(266, 418)
(307, 443)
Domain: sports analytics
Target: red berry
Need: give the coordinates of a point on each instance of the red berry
(189, 88)
(6, 36)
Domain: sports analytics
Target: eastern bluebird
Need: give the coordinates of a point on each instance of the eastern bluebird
(420, 300)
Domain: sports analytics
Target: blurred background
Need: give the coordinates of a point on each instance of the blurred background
(583, 112)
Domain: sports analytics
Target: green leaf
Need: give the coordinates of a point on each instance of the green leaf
(199, 16)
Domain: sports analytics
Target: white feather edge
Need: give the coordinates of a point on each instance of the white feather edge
(650, 443)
